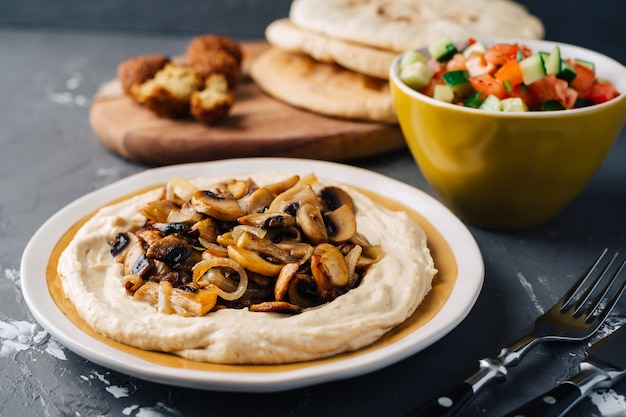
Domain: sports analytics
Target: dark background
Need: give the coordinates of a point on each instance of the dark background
(582, 22)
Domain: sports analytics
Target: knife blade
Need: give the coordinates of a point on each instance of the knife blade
(604, 366)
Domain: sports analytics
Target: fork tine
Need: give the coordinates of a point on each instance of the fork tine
(572, 294)
(611, 303)
(583, 303)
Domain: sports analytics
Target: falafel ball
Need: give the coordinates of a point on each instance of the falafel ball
(137, 70)
(214, 102)
(212, 54)
(168, 94)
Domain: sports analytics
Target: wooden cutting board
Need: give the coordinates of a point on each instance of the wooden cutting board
(258, 125)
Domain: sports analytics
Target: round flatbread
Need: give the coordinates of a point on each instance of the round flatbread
(327, 89)
(406, 24)
(364, 59)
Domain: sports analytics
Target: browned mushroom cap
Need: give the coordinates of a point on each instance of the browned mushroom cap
(171, 250)
(253, 261)
(259, 200)
(119, 244)
(276, 307)
(286, 275)
(159, 210)
(283, 185)
(340, 224)
(136, 261)
(331, 198)
(218, 204)
(268, 219)
(207, 229)
(303, 291)
(268, 249)
(309, 218)
(328, 263)
(293, 198)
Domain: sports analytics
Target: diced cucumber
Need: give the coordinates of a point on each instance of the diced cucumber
(567, 73)
(410, 57)
(475, 100)
(513, 104)
(416, 75)
(458, 81)
(475, 47)
(492, 103)
(587, 64)
(552, 105)
(442, 49)
(443, 92)
(553, 62)
(532, 68)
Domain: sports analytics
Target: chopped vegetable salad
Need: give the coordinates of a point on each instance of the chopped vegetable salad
(504, 77)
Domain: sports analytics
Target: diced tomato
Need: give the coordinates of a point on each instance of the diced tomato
(487, 84)
(500, 53)
(585, 78)
(510, 71)
(570, 98)
(549, 88)
(601, 92)
(526, 51)
(457, 62)
(522, 91)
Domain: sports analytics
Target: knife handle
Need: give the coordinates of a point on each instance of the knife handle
(553, 403)
(446, 404)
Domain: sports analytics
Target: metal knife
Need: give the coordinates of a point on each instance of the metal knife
(604, 366)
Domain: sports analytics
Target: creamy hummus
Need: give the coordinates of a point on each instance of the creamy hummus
(389, 293)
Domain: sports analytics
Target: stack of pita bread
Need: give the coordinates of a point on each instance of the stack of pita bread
(333, 56)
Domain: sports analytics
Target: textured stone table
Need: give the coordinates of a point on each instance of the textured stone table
(53, 60)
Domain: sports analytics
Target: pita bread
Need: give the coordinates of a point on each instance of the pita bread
(364, 59)
(327, 89)
(399, 25)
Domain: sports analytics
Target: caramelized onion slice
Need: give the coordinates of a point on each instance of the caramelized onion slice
(205, 265)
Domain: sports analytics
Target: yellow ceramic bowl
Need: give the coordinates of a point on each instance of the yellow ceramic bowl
(510, 170)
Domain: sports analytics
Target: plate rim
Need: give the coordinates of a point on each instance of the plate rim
(464, 294)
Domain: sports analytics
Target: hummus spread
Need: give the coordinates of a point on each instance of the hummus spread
(388, 294)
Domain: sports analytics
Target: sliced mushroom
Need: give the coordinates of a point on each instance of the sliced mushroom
(331, 198)
(171, 250)
(303, 291)
(170, 228)
(282, 307)
(220, 205)
(118, 244)
(254, 243)
(268, 219)
(239, 188)
(340, 224)
(283, 185)
(286, 275)
(293, 197)
(253, 261)
(207, 229)
(309, 218)
(136, 261)
(259, 200)
(327, 262)
(284, 234)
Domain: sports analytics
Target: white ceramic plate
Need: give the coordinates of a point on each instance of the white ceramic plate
(462, 298)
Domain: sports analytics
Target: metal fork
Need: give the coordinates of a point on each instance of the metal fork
(575, 317)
